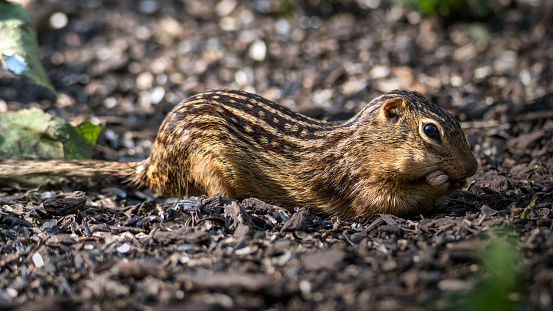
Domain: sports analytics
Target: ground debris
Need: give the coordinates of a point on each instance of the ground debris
(182, 235)
(111, 246)
(240, 221)
(298, 222)
(65, 204)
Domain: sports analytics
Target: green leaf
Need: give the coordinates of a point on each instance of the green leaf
(32, 133)
(26, 134)
(501, 276)
(479, 32)
(78, 142)
(534, 200)
(19, 47)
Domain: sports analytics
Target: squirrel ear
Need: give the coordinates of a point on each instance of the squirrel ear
(389, 108)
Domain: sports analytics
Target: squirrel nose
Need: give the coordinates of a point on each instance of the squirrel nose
(472, 167)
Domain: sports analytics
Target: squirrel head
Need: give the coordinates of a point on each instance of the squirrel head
(420, 145)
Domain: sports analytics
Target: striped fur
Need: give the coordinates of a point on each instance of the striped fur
(243, 145)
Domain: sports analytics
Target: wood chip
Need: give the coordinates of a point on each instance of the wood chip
(65, 204)
(298, 222)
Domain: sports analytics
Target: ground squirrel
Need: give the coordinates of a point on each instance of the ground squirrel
(399, 155)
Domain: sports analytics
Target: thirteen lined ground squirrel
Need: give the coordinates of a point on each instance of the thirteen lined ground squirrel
(399, 155)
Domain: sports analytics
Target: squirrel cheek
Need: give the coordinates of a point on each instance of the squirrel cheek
(438, 179)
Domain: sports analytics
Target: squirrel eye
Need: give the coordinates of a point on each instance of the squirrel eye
(431, 131)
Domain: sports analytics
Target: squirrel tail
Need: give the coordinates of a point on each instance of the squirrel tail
(10, 168)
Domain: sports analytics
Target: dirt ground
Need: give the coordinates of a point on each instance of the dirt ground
(124, 64)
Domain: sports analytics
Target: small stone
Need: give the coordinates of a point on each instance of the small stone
(525, 77)
(225, 7)
(156, 95)
(229, 23)
(456, 81)
(282, 27)
(482, 72)
(452, 285)
(58, 20)
(353, 85)
(144, 81)
(110, 102)
(123, 249)
(322, 98)
(258, 50)
(507, 60)
(38, 260)
(371, 4)
(148, 6)
(388, 85)
(379, 72)
(142, 32)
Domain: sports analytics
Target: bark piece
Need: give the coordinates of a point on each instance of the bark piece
(231, 282)
(326, 259)
(183, 235)
(298, 222)
(65, 204)
(138, 269)
(241, 222)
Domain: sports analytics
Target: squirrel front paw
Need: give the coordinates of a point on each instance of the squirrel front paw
(438, 179)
